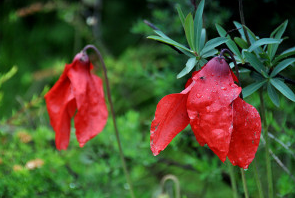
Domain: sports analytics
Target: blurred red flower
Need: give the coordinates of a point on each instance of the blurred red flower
(217, 115)
(77, 89)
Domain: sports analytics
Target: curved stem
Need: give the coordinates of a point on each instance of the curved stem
(235, 63)
(175, 181)
(113, 116)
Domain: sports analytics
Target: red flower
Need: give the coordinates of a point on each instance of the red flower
(77, 89)
(217, 115)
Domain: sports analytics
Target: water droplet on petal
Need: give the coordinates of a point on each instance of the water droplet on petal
(212, 74)
(223, 88)
(198, 95)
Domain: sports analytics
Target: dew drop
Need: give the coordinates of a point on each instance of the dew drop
(199, 96)
(223, 88)
(212, 74)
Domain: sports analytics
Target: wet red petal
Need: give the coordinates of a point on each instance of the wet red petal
(88, 91)
(214, 129)
(170, 118)
(246, 134)
(76, 89)
(61, 107)
(209, 106)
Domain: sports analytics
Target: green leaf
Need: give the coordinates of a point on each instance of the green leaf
(160, 33)
(211, 44)
(286, 53)
(198, 25)
(191, 62)
(180, 14)
(170, 42)
(256, 63)
(210, 53)
(189, 31)
(283, 88)
(202, 62)
(220, 30)
(273, 95)
(282, 65)
(6, 76)
(263, 41)
(240, 29)
(203, 38)
(230, 43)
(247, 91)
(277, 33)
(242, 43)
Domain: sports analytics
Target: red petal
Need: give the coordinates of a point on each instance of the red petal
(214, 129)
(209, 106)
(61, 107)
(234, 76)
(246, 134)
(170, 118)
(88, 91)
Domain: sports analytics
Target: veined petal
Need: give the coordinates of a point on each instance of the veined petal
(246, 134)
(61, 106)
(214, 129)
(88, 91)
(170, 118)
(209, 106)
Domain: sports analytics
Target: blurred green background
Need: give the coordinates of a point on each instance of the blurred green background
(39, 37)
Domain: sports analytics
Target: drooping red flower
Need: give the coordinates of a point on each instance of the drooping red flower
(217, 115)
(77, 90)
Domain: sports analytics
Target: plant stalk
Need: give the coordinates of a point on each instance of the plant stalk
(232, 179)
(243, 21)
(258, 183)
(244, 183)
(114, 117)
(267, 156)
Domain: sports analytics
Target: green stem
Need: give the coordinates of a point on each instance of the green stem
(114, 117)
(244, 183)
(268, 162)
(258, 183)
(232, 179)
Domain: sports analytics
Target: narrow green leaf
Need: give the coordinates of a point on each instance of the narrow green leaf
(220, 30)
(203, 38)
(282, 65)
(286, 53)
(247, 91)
(277, 33)
(241, 43)
(256, 63)
(273, 95)
(283, 88)
(180, 14)
(169, 41)
(191, 62)
(202, 62)
(230, 43)
(211, 44)
(210, 53)
(189, 31)
(240, 29)
(198, 25)
(263, 41)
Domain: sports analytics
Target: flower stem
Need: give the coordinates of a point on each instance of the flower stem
(232, 179)
(114, 117)
(268, 162)
(258, 183)
(244, 183)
